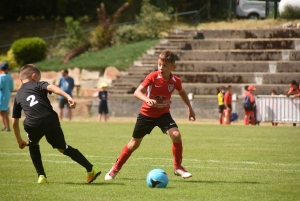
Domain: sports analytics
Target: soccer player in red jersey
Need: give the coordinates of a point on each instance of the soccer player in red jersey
(155, 92)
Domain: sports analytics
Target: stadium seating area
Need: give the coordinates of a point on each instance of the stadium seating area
(266, 58)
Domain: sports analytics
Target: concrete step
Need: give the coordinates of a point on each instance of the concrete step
(222, 66)
(233, 55)
(237, 33)
(211, 89)
(218, 77)
(237, 78)
(226, 44)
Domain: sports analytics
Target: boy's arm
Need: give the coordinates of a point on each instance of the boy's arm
(140, 94)
(58, 91)
(21, 142)
(184, 97)
(295, 96)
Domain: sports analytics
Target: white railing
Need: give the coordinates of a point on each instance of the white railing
(278, 109)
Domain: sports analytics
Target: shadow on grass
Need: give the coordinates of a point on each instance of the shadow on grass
(95, 183)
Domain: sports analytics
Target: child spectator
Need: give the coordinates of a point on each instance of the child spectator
(41, 120)
(248, 104)
(6, 86)
(274, 93)
(221, 103)
(246, 119)
(155, 92)
(102, 96)
(228, 101)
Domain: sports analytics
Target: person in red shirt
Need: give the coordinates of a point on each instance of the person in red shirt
(228, 98)
(294, 89)
(249, 112)
(155, 92)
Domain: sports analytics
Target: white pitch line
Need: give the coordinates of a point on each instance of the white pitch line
(160, 165)
(170, 159)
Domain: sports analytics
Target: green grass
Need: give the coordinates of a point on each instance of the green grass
(228, 163)
(119, 56)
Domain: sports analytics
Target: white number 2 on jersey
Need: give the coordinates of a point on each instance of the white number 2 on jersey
(32, 100)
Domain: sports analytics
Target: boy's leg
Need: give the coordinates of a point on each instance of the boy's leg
(36, 158)
(56, 138)
(78, 157)
(70, 113)
(123, 157)
(177, 150)
(220, 118)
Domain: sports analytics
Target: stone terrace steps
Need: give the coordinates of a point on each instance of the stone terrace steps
(265, 58)
(233, 55)
(226, 78)
(210, 89)
(228, 44)
(221, 66)
(235, 34)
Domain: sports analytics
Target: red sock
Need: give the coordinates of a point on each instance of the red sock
(246, 120)
(221, 120)
(125, 154)
(177, 153)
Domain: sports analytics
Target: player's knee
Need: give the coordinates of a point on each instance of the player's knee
(175, 135)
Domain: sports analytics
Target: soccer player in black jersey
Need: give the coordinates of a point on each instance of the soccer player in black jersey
(41, 120)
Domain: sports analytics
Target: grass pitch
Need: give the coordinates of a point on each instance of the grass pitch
(228, 163)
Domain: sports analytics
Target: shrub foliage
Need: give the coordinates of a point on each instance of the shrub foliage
(153, 22)
(290, 12)
(29, 50)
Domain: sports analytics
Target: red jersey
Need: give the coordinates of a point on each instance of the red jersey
(228, 98)
(161, 91)
(247, 93)
(294, 91)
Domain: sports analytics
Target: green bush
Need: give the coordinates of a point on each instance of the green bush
(29, 50)
(130, 33)
(153, 23)
(290, 12)
(75, 36)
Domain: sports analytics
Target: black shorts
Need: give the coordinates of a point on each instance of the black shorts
(221, 108)
(144, 125)
(103, 108)
(55, 137)
(62, 103)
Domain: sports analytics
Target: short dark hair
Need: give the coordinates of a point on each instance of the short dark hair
(167, 56)
(27, 70)
(65, 71)
(246, 87)
(294, 82)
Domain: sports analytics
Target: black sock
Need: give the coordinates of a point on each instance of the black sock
(78, 157)
(36, 158)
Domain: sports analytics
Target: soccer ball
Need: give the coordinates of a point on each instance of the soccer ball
(157, 178)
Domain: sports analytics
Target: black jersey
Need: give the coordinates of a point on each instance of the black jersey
(32, 99)
(103, 95)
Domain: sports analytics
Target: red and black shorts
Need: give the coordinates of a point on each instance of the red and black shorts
(144, 125)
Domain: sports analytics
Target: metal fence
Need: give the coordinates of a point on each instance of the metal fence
(278, 109)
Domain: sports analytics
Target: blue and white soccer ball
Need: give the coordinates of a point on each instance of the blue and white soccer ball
(157, 178)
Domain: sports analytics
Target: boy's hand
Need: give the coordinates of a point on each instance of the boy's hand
(192, 116)
(151, 102)
(22, 144)
(71, 102)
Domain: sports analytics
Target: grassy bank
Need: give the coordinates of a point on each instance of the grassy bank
(119, 56)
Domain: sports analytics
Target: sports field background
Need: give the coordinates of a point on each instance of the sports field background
(228, 163)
